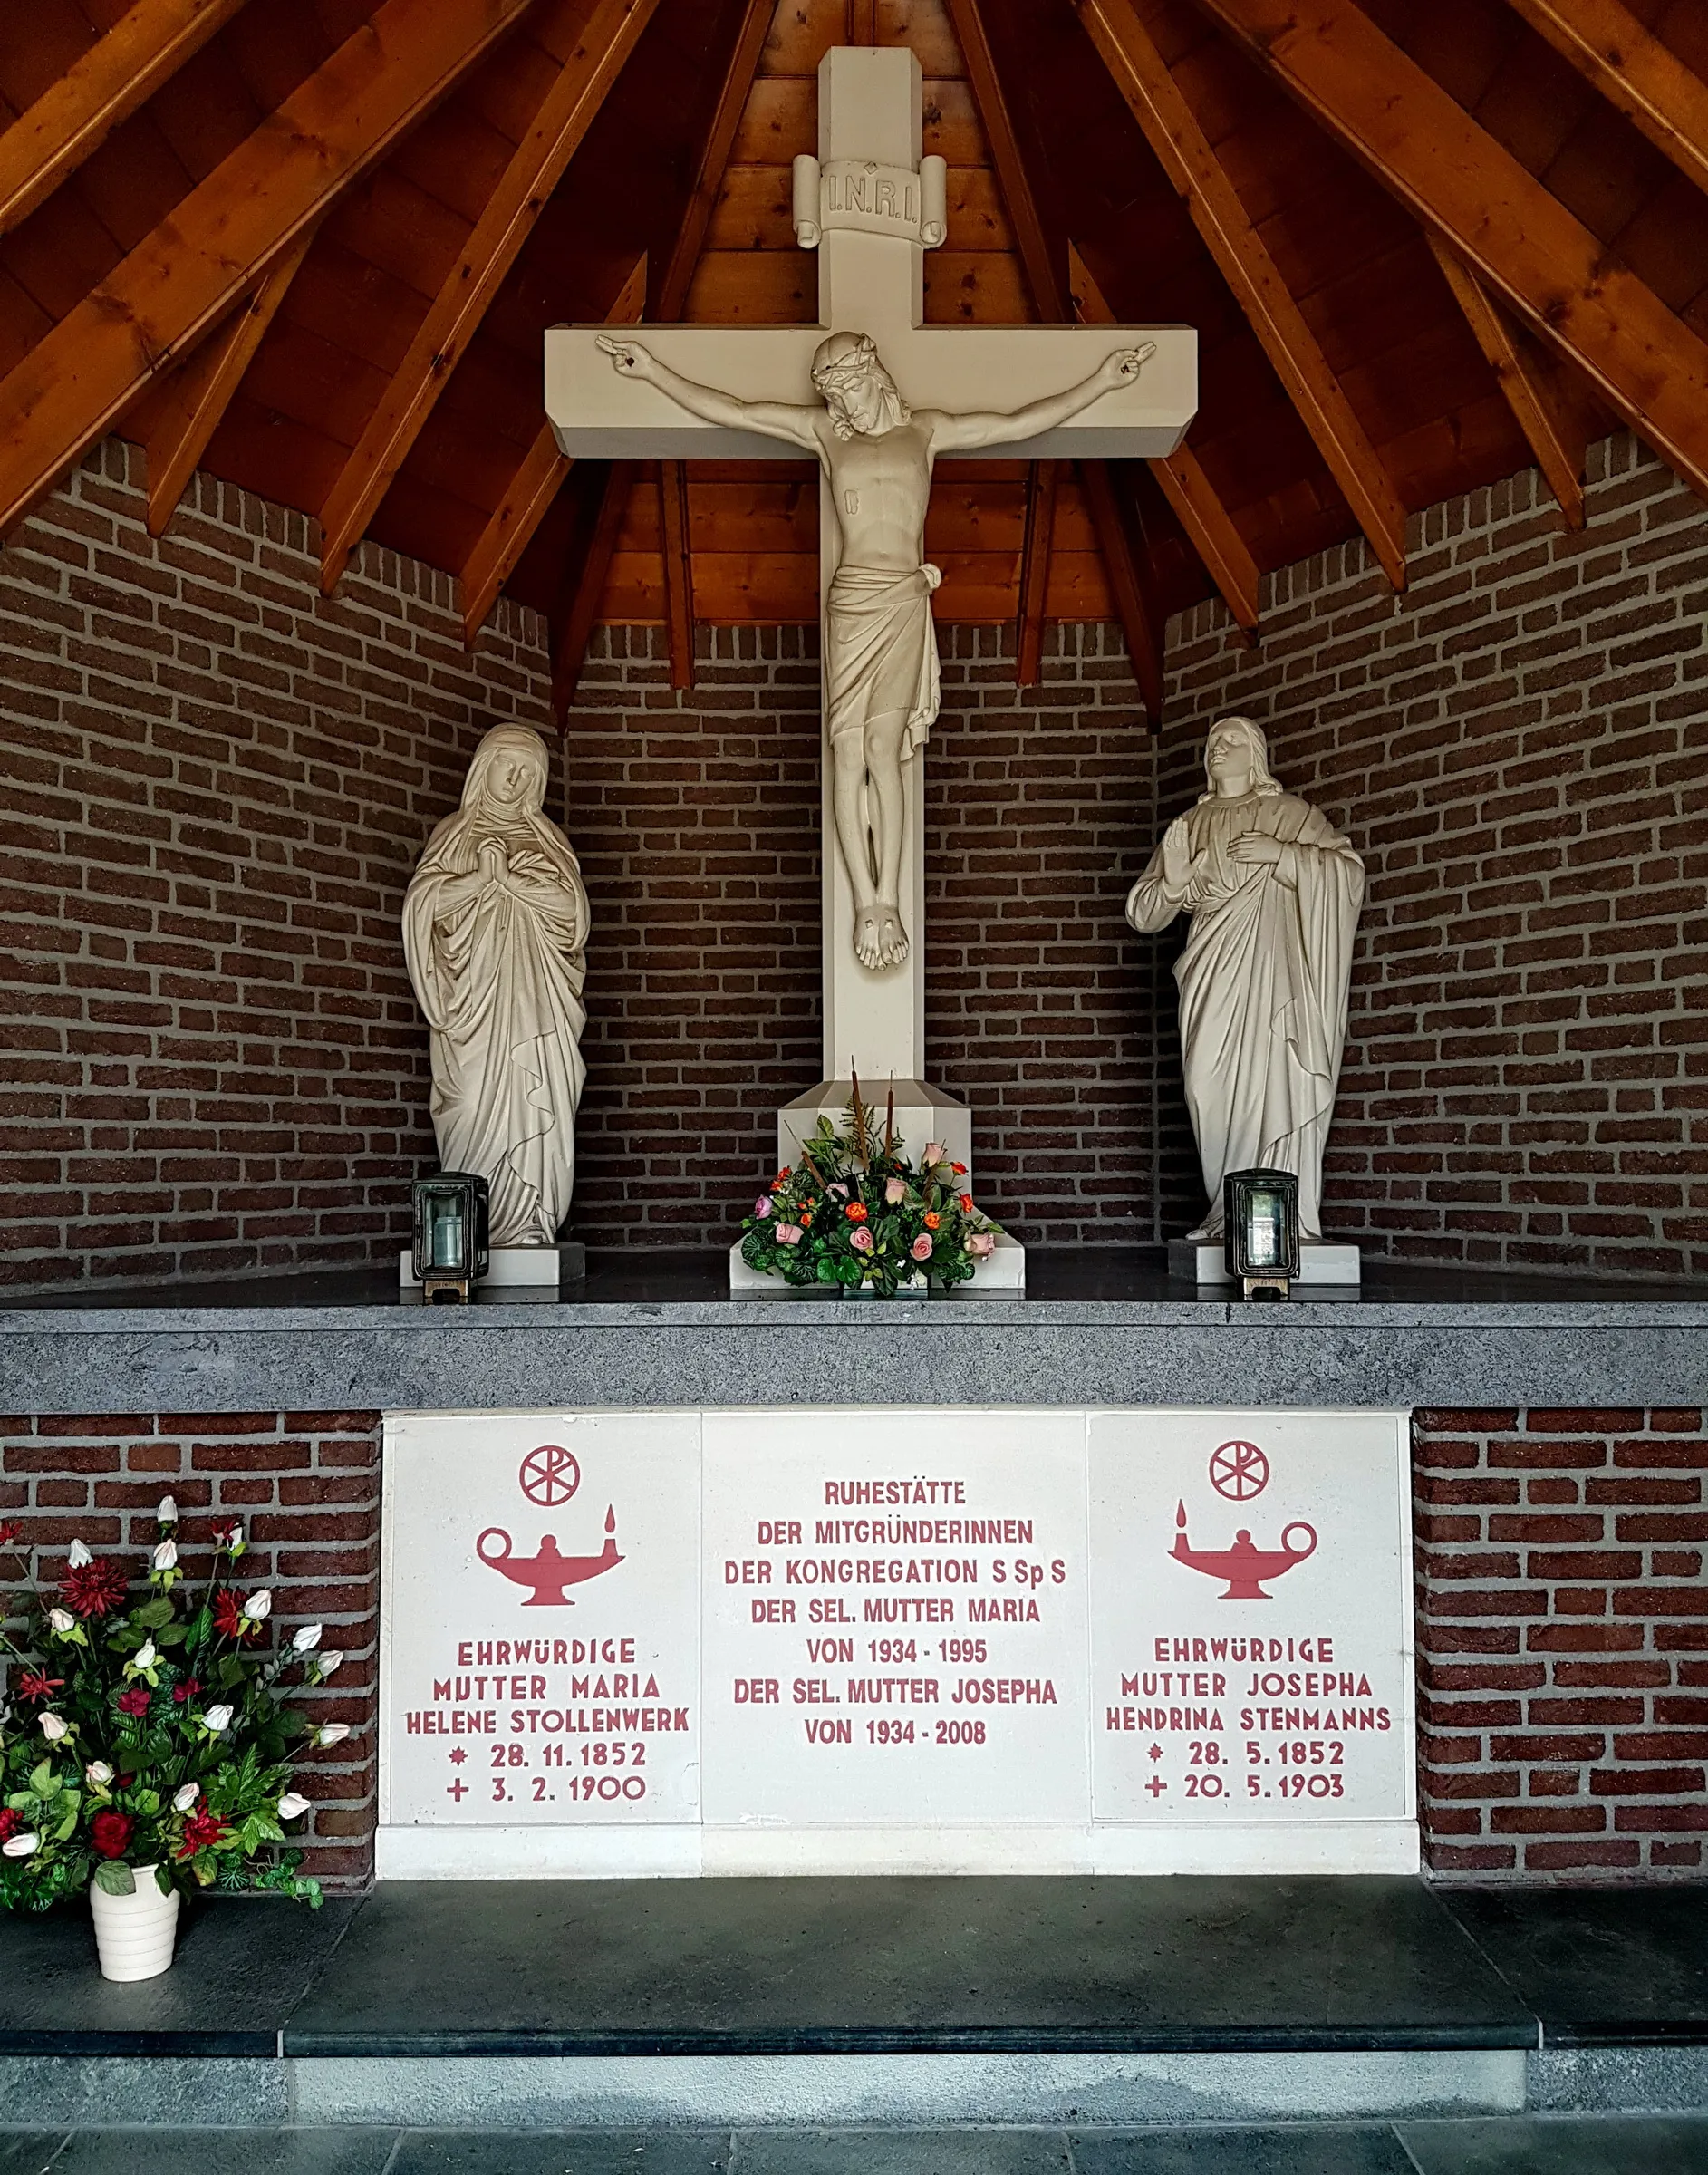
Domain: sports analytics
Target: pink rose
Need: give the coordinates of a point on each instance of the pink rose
(840, 1190)
(789, 1235)
(862, 1241)
(922, 1247)
(982, 1244)
(935, 1152)
(762, 1206)
(895, 1190)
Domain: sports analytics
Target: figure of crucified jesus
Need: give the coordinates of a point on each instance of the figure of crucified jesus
(880, 647)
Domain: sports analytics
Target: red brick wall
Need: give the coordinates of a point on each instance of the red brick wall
(213, 784)
(696, 816)
(306, 1486)
(1562, 1626)
(1519, 747)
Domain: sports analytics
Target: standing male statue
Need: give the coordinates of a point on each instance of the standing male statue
(881, 649)
(1273, 891)
(494, 925)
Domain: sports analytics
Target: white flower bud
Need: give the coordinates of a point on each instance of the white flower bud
(144, 1657)
(22, 1846)
(217, 1719)
(77, 1555)
(184, 1797)
(332, 1733)
(330, 1663)
(97, 1775)
(168, 1513)
(291, 1806)
(306, 1638)
(54, 1727)
(166, 1556)
(259, 1607)
(62, 1619)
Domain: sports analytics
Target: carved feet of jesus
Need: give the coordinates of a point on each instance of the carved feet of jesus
(879, 938)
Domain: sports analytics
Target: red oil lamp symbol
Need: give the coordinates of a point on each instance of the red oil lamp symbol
(1244, 1565)
(548, 1572)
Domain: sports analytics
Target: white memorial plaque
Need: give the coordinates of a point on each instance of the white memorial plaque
(541, 1640)
(1251, 1645)
(894, 1627)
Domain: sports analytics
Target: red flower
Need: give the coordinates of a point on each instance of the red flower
(94, 1587)
(10, 1530)
(856, 1212)
(966, 1203)
(11, 1821)
(200, 1830)
(111, 1834)
(187, 1690)
(229, 1618)
(228, 1536)
(34, 1684)
(135, 1701)
(959, 1169)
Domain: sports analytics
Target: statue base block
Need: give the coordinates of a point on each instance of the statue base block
(1198, 1262)
(517, 1268)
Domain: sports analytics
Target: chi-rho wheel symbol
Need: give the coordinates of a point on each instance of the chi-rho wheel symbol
(1238, 1471)
(549, 1475)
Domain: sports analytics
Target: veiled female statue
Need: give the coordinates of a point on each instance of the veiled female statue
(1273, 891)
(494, 925)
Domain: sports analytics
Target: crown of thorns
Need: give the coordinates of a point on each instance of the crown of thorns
(846, 373)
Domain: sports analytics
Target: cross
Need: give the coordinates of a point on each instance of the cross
(458, 1789)
(871, 205)
(1156, 1785)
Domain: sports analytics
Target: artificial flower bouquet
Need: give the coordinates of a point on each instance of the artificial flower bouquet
(857, 1213)
(148, 1729)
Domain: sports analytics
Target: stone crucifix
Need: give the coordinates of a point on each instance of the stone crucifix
(893, 396)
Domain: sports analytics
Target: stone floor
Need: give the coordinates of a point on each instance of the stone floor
(1524, 2145)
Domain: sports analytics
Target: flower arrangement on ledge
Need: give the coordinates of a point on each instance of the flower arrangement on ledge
(857, 1213)
(144, 1735)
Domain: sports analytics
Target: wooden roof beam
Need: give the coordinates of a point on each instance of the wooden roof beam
(50, 140)
(1043, 483)
(579, 599)
(1424, 146)
(1631, 68)
(509, 531)
(1558, 451)
(1048, 286)
(183, 277)
(199, 390)
(565, 114)
(1209, 526)
(1160, 107)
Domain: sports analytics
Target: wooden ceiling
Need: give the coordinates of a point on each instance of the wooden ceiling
(312, 248)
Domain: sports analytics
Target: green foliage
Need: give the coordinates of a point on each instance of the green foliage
(858, 1211)
(114, 1752)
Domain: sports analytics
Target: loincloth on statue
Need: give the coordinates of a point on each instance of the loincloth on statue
(882, 650)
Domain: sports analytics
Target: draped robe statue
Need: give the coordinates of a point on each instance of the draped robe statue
(495, 921)
(1273, 891)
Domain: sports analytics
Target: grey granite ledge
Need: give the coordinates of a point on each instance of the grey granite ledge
(494, 1357)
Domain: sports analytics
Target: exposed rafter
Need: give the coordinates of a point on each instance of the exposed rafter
(1424, 148)
(1628, 65)
(1046, 278)
(1200, 512)
(188, 271)
(565, 114)
(199, 391)
(1559, 449)
(76, 115)
(529, 493)
(1160, 107)
(593, 539)
(679, 573)
(578, 611)
(1042, 483)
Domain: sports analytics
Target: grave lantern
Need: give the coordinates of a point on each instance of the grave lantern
(450, 1235)
(1260, 1214)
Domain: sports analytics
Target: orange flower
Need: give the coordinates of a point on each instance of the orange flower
(966, 1203)
(807, 1215)
(856, 1212)
(933, 1220)
(959, 1169)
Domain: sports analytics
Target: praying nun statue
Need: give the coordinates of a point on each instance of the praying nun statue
(1273, 891)
(495, 923)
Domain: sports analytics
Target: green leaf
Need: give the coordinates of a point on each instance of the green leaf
(114, 1877)
(42, 1778)
(153, 1614)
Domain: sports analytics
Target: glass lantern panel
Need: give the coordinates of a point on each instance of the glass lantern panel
(446, 1227)
(1263, 1229)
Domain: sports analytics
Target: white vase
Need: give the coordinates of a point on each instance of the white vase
(134, 1934)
